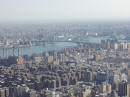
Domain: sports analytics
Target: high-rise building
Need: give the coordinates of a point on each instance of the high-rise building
(128, 86)
(115, 46)
(128, 90)
(32, 93)
(2, 92)
(122, 89)
(108, 88)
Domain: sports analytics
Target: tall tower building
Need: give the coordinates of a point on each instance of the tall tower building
(128, 90)
(2, 92)
(32, 93)
(122, 89)
(128, 86)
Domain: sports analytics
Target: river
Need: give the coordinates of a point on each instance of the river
(37, 49)
(47, 47)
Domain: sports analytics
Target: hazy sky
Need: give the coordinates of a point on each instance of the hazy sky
(57, 10)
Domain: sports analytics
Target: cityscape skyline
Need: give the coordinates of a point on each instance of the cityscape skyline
(64, 48)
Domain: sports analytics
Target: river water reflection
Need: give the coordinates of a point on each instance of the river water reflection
(38, 49)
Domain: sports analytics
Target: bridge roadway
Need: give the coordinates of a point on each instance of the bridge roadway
(41, 41)
(78, 42)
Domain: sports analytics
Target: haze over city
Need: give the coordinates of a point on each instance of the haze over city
(64, 10)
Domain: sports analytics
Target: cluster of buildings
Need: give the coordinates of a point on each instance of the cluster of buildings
(114, 44)
(89, 70)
